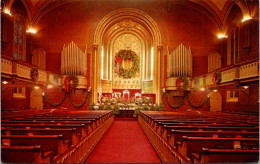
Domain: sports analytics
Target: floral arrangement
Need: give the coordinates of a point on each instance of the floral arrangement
(34, 73)
(126, 54)
(216, 77)
(68, 84)
(182, 83)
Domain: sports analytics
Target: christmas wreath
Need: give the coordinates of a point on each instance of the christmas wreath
(126, 54)
(195, 82)
(182, 83)
(34, 73)
(216, 77)
(55, 79)
(71, 82)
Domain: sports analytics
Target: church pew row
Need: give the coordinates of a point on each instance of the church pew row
(191, 145)
(80, 128)
(24, 154)
(225, 156)
(164, 140)
(81, 146)
(166, 131)
(69, 134)
(54, 143)
(177, 135)
(88, 125)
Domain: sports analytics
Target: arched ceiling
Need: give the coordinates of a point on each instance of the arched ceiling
(217, 10)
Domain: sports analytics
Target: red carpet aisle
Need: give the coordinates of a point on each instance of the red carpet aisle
(124, 142)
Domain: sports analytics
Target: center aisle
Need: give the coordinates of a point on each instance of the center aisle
(124, 142)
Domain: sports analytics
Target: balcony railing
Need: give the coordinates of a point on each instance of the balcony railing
(240, 71)
(13, 67)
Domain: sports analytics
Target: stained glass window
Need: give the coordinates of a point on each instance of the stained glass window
(19, 38)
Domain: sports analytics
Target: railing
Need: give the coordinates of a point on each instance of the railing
(23, 71)
(6, 66)
(11, 66)
(248, 69)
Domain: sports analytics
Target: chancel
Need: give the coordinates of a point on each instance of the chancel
(123, 81)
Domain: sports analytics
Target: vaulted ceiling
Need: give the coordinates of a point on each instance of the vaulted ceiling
(217, 10)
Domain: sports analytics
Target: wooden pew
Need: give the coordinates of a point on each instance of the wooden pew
(191, 145)
(80, 128)
(161, 125)
(25, 154)
(226, 156)
(177, 135)
(88, 124)
(54, 143)
(166, 131)
(68, 134)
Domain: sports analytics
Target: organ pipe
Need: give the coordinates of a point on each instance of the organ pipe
(179, 62)
(73, 60)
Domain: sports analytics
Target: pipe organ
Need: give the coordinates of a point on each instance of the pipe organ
(73, 60)
(179, 62)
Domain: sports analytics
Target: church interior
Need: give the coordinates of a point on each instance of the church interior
(129, 81)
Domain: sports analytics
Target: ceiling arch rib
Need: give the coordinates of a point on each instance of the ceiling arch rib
(137, 30)
(127, 13)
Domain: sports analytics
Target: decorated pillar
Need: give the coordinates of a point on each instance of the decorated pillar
(95, 71)
(159, 73)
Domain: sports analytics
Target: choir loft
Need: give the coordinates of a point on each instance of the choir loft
(123, 81)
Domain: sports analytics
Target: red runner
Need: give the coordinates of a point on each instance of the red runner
(124, 142)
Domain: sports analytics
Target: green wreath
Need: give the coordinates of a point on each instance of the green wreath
(182, 83)
(67, 83)
(34, 73)
(126, 54)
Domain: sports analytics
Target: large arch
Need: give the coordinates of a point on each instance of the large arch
(147, 30)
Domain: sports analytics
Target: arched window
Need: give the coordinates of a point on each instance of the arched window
(39, 57)
(214, 61)
(19, 38)
(234, 45)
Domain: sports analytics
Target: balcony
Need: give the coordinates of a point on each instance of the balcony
(11, 67)
(242, 72)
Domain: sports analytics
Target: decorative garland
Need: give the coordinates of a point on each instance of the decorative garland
(126, 54)
(172, 106)
(197, 106)
(88, 94)
(34, 73)
(165, 96)
(69, 86)
(216, 77)
(54, 104)
(182, 83)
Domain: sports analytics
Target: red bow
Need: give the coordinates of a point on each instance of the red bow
(214, 78)
(118, 60)
(67, 84)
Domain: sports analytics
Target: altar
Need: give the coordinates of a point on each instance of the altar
(127, 94)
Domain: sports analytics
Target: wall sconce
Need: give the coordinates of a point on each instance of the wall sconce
(5, 82)
(36, 87)
(246, 87)
(202, 89)
(246, 90)
(31, 30)
(246, 18)
(215, 90)
(7, 11)
(222, 35)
